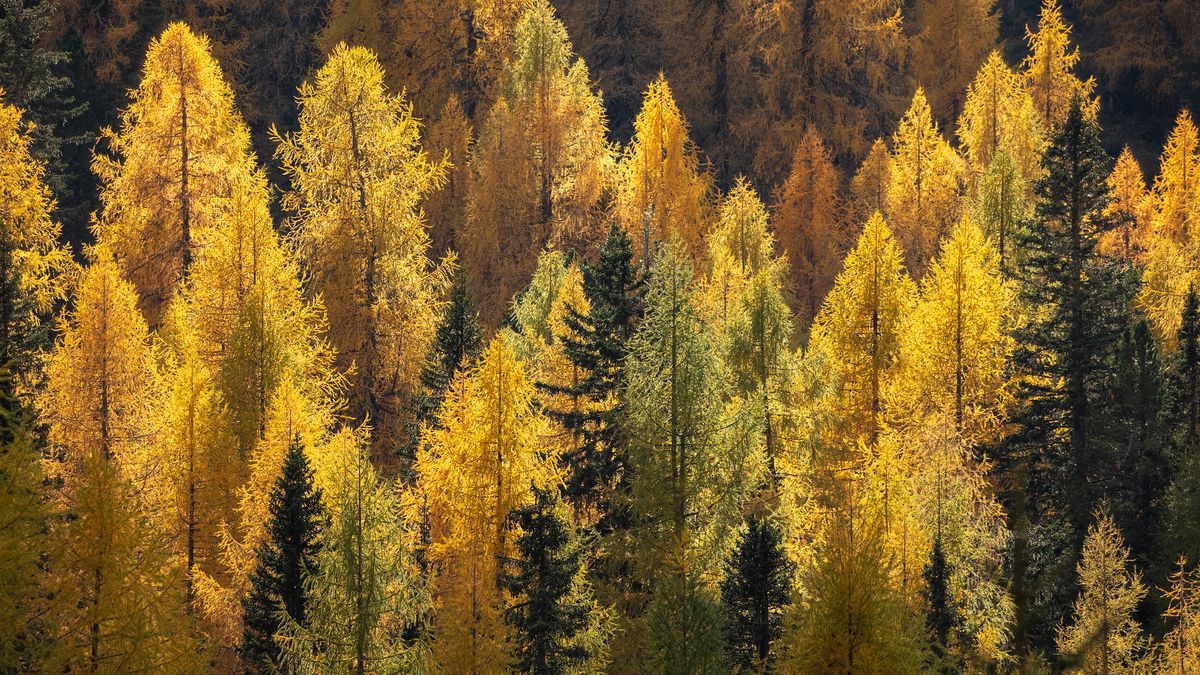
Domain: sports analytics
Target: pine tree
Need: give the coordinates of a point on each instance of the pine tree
(358, 174)
(1103, 636)
(456, 344)
(923, 191)
(1064, 354)
(551, 608)
(1182, 413)
(1049, 67)
(285, 560)
(755, 593)
(594, 343)
(661, 189)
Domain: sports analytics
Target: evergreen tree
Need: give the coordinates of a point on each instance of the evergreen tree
(456, 344)
(595, 345)
(940, 615)
(547, 610)
(1182, 407)
(756, 589)
(283, 560)
(1065, 353)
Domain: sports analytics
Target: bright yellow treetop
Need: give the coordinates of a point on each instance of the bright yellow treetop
(999, 113)
(1049, 68)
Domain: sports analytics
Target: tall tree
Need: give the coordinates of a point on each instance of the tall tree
(952, 38)
(284, 561)
(1180, 648)
(809, 225)
(924, 185)
(754, 593)
(998, 115)
(539, 164)
(358, 174)
(1131, 205)
(1182, 415)
(1064, 355)
(170, 166)
(456, 344)
(484, 457)
(661, 188)
(1103, 636)
(559, 627)
(869, 185)
(32, 262)
(1049, 69)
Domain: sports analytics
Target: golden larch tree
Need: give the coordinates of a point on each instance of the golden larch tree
(358, 174)
(808, 222)
(1049, 68)
(953, 37)
(661, 189)
(924, 185)
(482, 460)
(869, 185)
(1130, 207)
(999, 114)
(171, 166)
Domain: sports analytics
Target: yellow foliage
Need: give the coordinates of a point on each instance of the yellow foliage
(999, 113)
(1049, 69)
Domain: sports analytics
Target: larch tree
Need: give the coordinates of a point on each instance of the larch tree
(171, 166)
(998, 113)
(1003, 203)
(953, 37)
(924, 186)
(284, 561)
(1103, 636)
(1049, 69)
(869, 185)
(366, 592)
(484, 457)
(23, 532)
(661, 188)
(859, 327)
(358, 175)
(808, 222)
(539, 165)
(1130, 207)
(1176, 194)
(118, 600)
(1179, 651)
(693, 454)
(33, 264)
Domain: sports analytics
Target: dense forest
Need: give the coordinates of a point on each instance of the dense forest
(696, 336)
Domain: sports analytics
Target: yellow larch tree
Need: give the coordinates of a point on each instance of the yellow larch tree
(956, 344)
(808, 223)
(1130, 207)
(999, 113)
(117, 598)
(1103, 635)
(358, 174)
(858, 328)
(869, 185)
(34, 264)
(179, 153)
(1179, 651)
(539, 166)
(1174, 242)
(1049, 68)
(483, 458)
(953, 38)
(924, 185)
(661, 189)
(449, 136)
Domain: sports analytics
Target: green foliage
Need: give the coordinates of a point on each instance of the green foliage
(755, 593)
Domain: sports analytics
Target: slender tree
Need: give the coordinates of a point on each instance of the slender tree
(755, 593)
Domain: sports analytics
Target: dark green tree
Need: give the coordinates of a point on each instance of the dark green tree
(940, 617)
(285, 559)
(546, 614)
(456, 345)
(754, 593)
(596, 345)
(1181, 533)
(31, 75)
(1056, 459)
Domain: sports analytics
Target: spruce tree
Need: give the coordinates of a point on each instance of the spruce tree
(456, 344)
(756, 588)
(284, 560)
(595, 345)
(546, 613)
(1182, 518)
(1065, 354)
(940, 616)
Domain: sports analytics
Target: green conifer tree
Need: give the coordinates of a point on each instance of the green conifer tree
(756, 589)
(284, 560)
